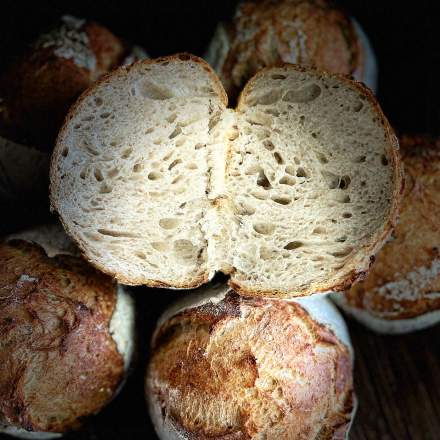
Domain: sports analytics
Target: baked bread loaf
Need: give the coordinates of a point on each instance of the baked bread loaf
(37, 90)
(292, 193)
(228, 367)
(401, 293)
(66, 333)
(313, 33)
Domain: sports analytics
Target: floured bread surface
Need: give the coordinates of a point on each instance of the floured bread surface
(265, 33)
(313, 178)
(290, 194)
(130, 176)
(242, 368)
(402, 291)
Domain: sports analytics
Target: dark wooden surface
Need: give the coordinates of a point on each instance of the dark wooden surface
(397, 377)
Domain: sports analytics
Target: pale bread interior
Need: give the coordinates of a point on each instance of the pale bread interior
(310, 179)
(160, 184)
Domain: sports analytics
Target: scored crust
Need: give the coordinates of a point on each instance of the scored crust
(59, 362)
(404, 283)
(265, 33)
(224, 370)
(354, 270)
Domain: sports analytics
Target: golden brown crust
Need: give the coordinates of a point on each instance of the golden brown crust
(225, 371)
(38, 88)
(405, 280)
(358, 268)
(58, 361)
(267, 32)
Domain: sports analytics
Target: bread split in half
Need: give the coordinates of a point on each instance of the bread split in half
(228, 367)
(402, 292)
(293, 192)
(66, 335)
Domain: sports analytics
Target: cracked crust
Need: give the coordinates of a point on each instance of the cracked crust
(223, 370)
(265, 33)
(59, 362)
(404, 283)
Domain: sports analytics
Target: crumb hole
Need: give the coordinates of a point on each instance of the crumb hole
(287, 180)
(154, 175)
(98, 175)
(293, 245)
(301, 172)
(175, 133)
(283, 200)
(278, 158)
(169, 223)
(264, 228)
(174, 163)
(263, 181)
(277, 76)
(268, 144)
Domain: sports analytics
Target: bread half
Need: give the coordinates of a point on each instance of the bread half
(224, 366)
(292, 193)
(66, 333)
(402, 291)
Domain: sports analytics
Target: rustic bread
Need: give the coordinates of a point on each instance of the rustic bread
(292, 193)
(401, 293)
(228, 367)
(66, 333)
(37, 90)
(313, 33)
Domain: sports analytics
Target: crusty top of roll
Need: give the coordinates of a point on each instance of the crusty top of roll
(241, 368)
(267, 32)
(38, 88)
(58, 361)
(405, 280)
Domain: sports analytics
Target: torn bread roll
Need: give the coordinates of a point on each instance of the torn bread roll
(36, 91)
(224, 366)
(291, 193)
(402, 292)
(312, 33)
(66, 332)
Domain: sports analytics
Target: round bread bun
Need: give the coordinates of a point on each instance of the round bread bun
(268, 32)
(66, 333)
(38, 88)
(402, 291)
(229, 367)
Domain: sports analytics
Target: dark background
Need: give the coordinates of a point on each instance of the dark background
(397, 377)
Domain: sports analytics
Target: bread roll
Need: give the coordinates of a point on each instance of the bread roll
(228, 367)
(37, 90)
(268, 32)
(290, 193)
(402, 291)
(66, 333)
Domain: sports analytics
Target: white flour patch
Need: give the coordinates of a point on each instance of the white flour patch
(70, 41)
(412, 285)
(24, 278)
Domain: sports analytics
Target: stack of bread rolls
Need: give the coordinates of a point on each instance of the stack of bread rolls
(290, 195)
